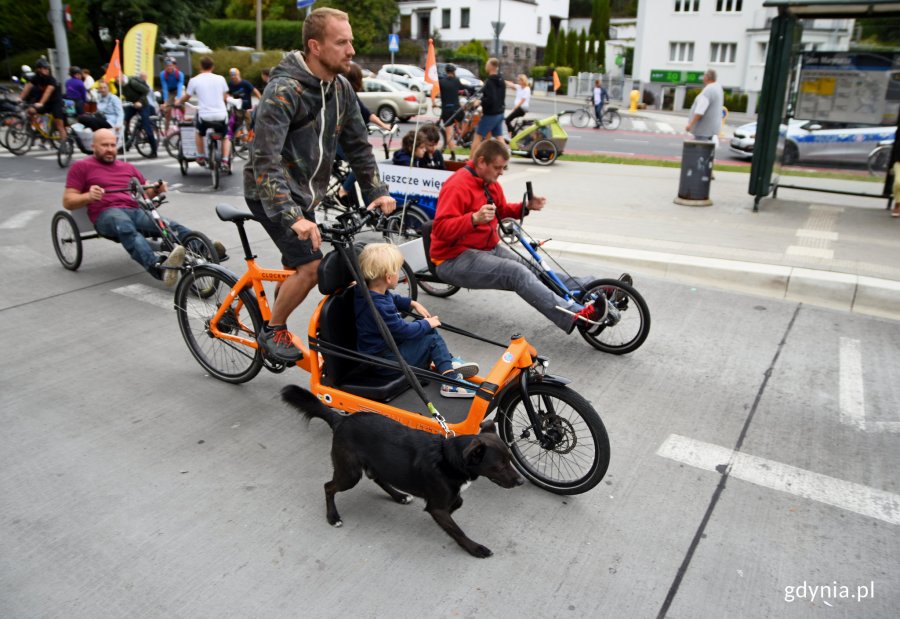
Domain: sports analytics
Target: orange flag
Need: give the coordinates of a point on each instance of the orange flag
(556, 83)
(114, 70)
(431, 75)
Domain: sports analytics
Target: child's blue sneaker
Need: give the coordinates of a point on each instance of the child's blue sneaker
(465, 368)
(452, 391)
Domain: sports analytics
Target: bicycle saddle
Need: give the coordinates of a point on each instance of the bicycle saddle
(226, 212)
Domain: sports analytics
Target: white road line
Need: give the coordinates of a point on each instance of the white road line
(632, 141)
(20, 220)
(638, 125)
(847, 495)
(851, 393)
(817, 234)
(852, 397)
(665, 127)
(147, 294)
(810, 252)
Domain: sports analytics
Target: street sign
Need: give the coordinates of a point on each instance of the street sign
(302, 4)
(498, 27)
(666, 76)
(393, 43)
(693, 77)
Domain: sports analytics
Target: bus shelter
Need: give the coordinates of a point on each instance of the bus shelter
(850, 88)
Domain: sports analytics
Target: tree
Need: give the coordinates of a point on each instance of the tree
(561, 53)
(372, 20)
(550, 49)
(591, 61)
(581, 56)
(600, 28)
(173, 17)
(571, 48)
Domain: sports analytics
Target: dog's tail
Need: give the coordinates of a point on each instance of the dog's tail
(308, 404)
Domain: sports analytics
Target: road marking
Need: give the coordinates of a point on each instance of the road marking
(147, 294)
(852, 397)
(638, 125)
(20, 220)
(810, 252)
(839, 493)
(851, 393)
(665, 127)
(632, 141)
(817, 234)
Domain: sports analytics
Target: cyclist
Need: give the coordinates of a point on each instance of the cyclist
(243, 90)
(171, 82)
(466, 248)
(115, 215)
(212, 93)
(520, 105)
(109, 114)
(306, 110)
(76, 90)
(45, 97)
(137, 91)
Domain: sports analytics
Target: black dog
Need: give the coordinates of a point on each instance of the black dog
(419, 463)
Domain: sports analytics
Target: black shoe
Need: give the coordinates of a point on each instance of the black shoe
(277, 343)
(152, 155)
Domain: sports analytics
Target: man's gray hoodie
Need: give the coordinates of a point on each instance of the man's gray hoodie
(299, 121)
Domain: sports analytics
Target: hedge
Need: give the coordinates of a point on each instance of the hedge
(735, 102)
(277, 33)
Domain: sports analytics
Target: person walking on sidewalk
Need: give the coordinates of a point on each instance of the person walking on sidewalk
(307, 109)
(706, 112)
(493, 97)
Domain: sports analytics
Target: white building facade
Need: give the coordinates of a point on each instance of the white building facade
(456, 22)
(677, 40)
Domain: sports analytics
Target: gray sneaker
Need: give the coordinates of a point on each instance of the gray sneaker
(278, 343)
(220, 249)
(171, 266)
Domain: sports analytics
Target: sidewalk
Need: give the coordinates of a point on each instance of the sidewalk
(832, 250)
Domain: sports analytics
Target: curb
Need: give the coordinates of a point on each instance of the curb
(854, 293)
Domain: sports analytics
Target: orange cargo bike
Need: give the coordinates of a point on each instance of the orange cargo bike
(557, 439)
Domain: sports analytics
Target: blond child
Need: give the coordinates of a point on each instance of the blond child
(418, 341)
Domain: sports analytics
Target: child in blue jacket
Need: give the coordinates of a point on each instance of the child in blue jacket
(418, 341)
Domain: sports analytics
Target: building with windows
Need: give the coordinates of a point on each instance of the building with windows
(677, 40)
(456, 22)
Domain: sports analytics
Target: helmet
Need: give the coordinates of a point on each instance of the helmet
(73, 71)
(450, 68)
(169, 60)
(41, 64)
(26, 68)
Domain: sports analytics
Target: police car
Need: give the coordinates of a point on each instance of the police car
(817, 141)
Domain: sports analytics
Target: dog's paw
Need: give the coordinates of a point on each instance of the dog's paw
(337, 524)
(406, 500)
(481, 552)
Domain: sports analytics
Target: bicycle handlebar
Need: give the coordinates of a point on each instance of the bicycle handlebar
(350, 222)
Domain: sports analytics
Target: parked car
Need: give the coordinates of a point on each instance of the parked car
(818, 141)
(196, 47)
(240, 48)
(469, 80)
(410, 76)
(391, 101)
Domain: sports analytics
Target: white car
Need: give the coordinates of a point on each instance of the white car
(391, 101)
(810, 140)
(196, 47)
(410, 76)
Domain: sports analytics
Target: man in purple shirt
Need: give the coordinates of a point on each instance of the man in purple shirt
(75, 89)
(115, 214)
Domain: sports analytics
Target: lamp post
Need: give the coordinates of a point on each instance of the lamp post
(498, 28)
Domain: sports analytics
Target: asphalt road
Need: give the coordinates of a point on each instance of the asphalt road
(134, 485)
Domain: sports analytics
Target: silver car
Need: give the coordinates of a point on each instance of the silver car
(391, 101)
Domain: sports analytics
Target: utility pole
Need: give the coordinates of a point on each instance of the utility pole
(259, 46)
(59, 35)
(498, 28)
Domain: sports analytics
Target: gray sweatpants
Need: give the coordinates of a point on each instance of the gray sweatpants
(501, 269)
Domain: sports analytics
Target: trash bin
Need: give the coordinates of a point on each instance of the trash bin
(696, 173)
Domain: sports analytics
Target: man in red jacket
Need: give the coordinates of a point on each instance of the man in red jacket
(465, 243)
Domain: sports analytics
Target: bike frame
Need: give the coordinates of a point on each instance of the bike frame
(511, 370)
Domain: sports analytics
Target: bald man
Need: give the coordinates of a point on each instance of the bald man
(116, 215)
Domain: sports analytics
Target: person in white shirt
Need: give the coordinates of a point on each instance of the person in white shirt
(211, 91)
(523, 98)
(601, 98)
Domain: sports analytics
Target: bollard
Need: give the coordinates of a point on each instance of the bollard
(696, 173)
(634, 96)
